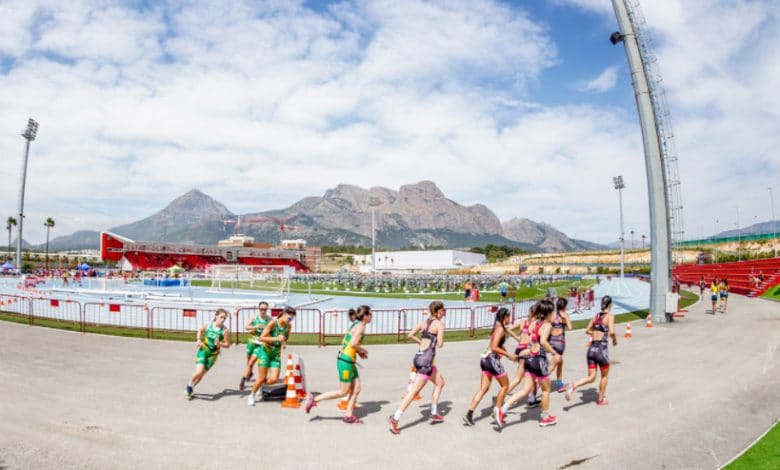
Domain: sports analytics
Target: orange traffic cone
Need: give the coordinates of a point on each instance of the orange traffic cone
(291, 398)
(628, 331)
(412, 376)
(299, 390)
(649, 323)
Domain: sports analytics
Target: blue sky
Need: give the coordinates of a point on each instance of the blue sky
(524, 106)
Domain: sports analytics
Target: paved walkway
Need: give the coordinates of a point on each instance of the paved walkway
(687, 395)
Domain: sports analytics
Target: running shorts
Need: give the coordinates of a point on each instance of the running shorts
(269, 358)
(206, 357)
(558, 343)
(491, 365)
(347, 370)
(424, 363)
(714, 297)
(536, 367)
(598, 355)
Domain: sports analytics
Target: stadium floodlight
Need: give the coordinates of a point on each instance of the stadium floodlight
(617, 181)
(774, 222)
(615, 38)
(29, 135)
(373, 202)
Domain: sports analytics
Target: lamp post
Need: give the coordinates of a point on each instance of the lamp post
(774, 222)
(29, 135)
(632, 238)
(373, 202)
(643, 241)
(619, 185)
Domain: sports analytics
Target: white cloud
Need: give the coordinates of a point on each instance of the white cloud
(263, 103)
(606, 81)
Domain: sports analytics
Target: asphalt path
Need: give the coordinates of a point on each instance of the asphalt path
(691, 394)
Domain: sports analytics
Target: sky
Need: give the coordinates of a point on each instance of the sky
(524, 106)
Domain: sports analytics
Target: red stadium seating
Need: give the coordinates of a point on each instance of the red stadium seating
(739, 275)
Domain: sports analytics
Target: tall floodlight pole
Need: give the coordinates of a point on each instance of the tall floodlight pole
(373, 202)
(774, 222)
(619, 185)
(660, 247)
(29, 135)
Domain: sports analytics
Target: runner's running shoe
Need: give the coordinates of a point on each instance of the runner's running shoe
(548, 421)
(602, 402)
(393, 425)
(190, 392)
(437, 419)
(242, 384)
(310, 403)
(569, 392)
(352, 420)
(468, 420)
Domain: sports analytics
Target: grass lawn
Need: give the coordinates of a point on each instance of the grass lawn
(772, 294)
(523, 293)
(765, 454)
(297, 338)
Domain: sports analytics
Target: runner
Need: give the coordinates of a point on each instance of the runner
(211, 338)
(714, 295)
(723, 288)
(467, 290)
(351, 347)
(523, 343)
(504, 288)
(558, 340)
(600, 328)
(253, 344)
(424, 361)
(273, 338)
(490, 363)
(536, 366)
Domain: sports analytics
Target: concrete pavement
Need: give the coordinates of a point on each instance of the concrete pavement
(687, 395)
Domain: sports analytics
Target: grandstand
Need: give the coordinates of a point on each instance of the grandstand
(155, 255)
(740, 275)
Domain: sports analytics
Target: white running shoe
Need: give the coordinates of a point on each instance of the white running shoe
(251, 400)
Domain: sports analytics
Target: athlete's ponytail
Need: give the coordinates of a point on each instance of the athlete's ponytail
(502, 313)
(362, 311)
(561, 303)
(436, 306)
(606, 301)
(351, 313)
(544, 308)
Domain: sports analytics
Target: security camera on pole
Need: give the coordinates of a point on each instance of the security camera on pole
(29, 135)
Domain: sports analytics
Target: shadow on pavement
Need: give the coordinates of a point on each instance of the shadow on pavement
(444, 409)
(217, 396)
(589, 395)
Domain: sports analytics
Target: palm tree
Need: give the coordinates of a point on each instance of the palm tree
(49, 224)
(9, 225)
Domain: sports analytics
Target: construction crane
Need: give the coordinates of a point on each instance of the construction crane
(256, 220)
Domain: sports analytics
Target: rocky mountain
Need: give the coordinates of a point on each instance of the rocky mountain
(543, 235)
(418, 215)
(191, 218)
(755, 229)
(79, 240)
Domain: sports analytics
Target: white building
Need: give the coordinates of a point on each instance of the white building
(420, 261)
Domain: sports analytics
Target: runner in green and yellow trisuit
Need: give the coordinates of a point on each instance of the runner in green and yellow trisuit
(211, 338)
(273, 339)
(351, 347)
(255, 326)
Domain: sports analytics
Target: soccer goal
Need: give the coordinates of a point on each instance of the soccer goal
(272, 279)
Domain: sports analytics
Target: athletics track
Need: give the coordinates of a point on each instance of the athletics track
(687, 395)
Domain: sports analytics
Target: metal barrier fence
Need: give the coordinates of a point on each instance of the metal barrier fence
(325, 324)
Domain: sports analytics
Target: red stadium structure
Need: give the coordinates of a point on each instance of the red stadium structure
(157, 255)
(740, 274)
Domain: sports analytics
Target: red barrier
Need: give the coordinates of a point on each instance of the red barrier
(178, 319)
(98, 314)
(56, 309)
